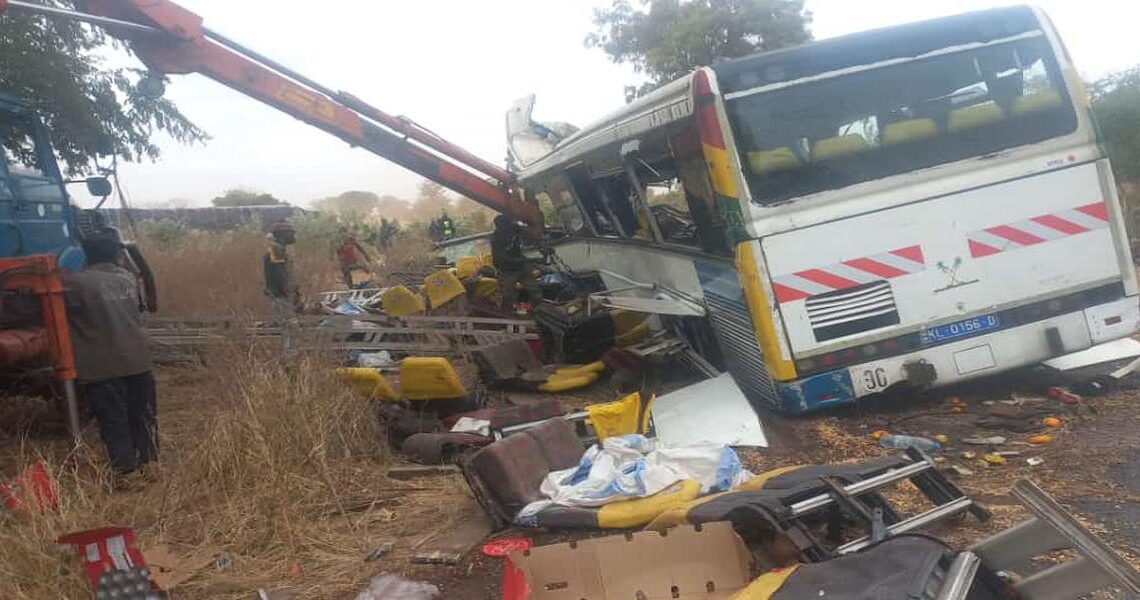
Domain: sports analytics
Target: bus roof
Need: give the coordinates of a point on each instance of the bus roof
(639, 116)
(672, 101)
(877, 45)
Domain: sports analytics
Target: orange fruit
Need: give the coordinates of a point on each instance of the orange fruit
(1051, 422)
(1041, 438)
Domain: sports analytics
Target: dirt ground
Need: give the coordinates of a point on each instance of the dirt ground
(1092, 466)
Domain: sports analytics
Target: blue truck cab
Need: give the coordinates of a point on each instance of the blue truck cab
(36, 215)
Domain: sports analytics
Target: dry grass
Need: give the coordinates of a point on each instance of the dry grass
(273, 465)
(219, 273)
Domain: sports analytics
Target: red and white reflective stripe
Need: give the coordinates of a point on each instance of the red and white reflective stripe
(849, 273)
(1037, 230)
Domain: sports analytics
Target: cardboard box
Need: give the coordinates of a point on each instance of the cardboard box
(687, 562)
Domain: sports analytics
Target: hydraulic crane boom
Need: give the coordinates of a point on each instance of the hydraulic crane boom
(171, 39)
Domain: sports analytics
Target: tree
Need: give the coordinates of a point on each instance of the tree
(89, 107)
(353, 205)
(240, 197)
(432, 199)
(1116, 103)
(668, 38)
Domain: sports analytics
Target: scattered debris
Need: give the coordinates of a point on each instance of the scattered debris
(1042, 438)
(33, 484)
(958, 471)
(1034, 461)
(902, 442)
(503, 546)
(169, 569)
(1108, 352)
(379, 551)
(1059, 393)
(993, 440)
(449, 547)
(387, 586)
(994, 459)
(413, 472)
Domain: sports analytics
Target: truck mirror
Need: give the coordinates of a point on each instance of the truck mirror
(99, 186)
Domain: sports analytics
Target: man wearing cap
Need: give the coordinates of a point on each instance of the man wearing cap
(112, 355)
(280, 284)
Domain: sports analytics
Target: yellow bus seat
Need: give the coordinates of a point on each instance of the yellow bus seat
(467, 266)
(763, 162)
(1032, 103)
(487, 288)
(399, 301)
(974, 116)
(910, 130)
(443, 287)
(428, 378)
(839, 146)
(369, 383)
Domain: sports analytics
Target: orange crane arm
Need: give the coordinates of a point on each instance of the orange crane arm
(171, 39)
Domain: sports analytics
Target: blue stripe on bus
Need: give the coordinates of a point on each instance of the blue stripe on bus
(825, 390)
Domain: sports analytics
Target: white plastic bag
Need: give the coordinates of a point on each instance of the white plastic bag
(387, 586)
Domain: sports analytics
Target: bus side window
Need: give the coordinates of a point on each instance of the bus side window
(590, 196)
(692, 171)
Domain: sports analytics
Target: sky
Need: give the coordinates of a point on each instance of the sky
(455, 66)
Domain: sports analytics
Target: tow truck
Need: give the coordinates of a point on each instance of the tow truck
(42, 229)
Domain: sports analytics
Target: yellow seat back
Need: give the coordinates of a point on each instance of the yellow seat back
(974, 116)
(763, 162)
(487, 288)
(467, 266)
(399, 301)
(909, 131)
(839, 146)
(369, 383)
(442, 287)
(428, 378)
(1034, 102)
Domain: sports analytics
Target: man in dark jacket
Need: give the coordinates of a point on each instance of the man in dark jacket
(507, 256)
(112, 354)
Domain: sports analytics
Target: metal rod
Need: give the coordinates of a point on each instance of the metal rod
(80, 16)
(939, 512)
(960, 577)
(72, 400)
(855, 489)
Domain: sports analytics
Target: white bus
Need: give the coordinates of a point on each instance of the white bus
(917, 205)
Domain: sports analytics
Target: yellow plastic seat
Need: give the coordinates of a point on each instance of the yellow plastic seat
(910, 130)
(622, 416)
(487, 288)
(442, 287)
(839, 146)
(974, 116)
(639, 511)
(369, 383)
(399, 301)
(467, 266)
(428, 378)
(1032, 103)
(564, 382)
(763, 162)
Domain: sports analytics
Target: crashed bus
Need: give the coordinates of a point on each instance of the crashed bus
(911, 206)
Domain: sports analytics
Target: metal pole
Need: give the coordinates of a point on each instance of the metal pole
(72, 398)
(79, 16)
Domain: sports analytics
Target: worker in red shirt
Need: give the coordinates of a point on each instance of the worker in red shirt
(349, 255)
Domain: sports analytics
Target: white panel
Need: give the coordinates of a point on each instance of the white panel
(978, 358)
(1113, 320)
(713, 411)
(940, 226)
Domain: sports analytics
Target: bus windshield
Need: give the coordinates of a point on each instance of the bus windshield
(833, 131)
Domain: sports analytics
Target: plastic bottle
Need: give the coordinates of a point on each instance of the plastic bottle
(902, 442)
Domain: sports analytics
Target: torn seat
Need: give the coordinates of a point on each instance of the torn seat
(793, 501)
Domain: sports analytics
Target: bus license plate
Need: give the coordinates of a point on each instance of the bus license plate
(950, 331)
(870, 378)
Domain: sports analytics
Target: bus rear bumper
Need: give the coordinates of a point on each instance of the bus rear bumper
(966, 359)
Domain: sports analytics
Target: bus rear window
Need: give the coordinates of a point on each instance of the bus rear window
(838, 131)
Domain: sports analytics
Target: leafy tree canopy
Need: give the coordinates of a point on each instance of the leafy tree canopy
(89, 107)
(665, 39)
(1116, 103)
(353, 204)
(240, 197)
